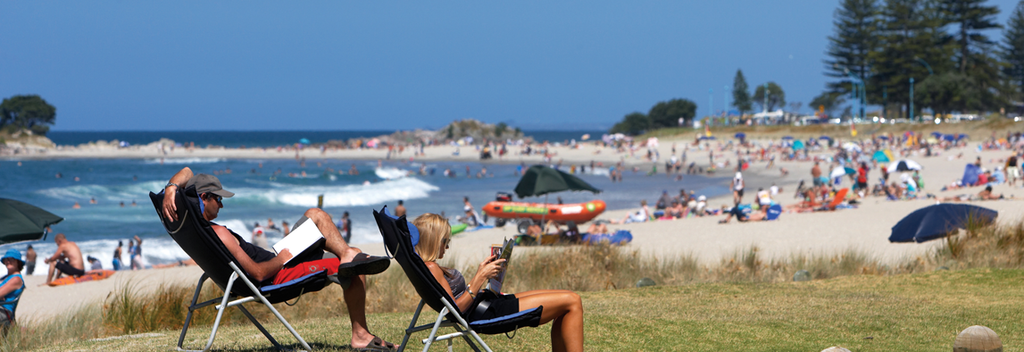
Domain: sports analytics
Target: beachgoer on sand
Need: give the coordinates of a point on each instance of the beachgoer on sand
(344, 225)
(116, 263)
(66, 261)
(737, 187)
(268, 268)
(30, 260)
(94, 264)
(259, 236)
(400, 209)
(561, 307)
(598, 227)
(12, 286)
(135, 252)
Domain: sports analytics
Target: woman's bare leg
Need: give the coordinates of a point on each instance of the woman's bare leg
(565, 309)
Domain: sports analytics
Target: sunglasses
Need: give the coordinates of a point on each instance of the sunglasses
(216, 198)
(446, 241)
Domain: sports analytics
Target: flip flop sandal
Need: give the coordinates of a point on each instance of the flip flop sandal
(378, 345)
(370, 266)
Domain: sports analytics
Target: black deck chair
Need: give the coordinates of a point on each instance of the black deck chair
(398, 239)
(196, 237)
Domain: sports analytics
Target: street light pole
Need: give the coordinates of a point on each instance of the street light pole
(725, 105)
(926, 65)
(885, 101)
(764, 107)
(911, 99)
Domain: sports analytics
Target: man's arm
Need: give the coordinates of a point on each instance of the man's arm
(179, 179)
(58, 255)
(259, 271)
(138, 241)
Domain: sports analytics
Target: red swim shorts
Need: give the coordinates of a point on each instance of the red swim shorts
(306, 268)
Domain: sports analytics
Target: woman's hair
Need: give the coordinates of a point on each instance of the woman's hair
(433, 230)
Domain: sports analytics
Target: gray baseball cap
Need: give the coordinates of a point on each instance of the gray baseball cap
(206, 183)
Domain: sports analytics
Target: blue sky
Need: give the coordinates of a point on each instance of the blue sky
(371, 65)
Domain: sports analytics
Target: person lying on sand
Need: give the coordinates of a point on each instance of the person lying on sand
(185, 262)
(985, 194)
(598, 227)
(266, 267)
(741, 217)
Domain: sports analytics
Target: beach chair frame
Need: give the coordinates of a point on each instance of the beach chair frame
(399, 245)
(223, 269)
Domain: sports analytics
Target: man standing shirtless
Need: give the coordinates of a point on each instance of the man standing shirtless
(67, 260)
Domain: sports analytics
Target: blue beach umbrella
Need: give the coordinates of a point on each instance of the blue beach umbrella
(304, 141)
(884, 138)
(948, 137)
(826, 138)
(960, 136)
(936, 221)
(740, 135)
(705, 138)
(787, 138)
(936, 134)
(797, 145)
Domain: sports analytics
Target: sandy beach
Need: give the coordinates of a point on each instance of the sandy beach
(864, 229)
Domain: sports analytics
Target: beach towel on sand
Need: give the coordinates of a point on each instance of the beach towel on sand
(92, 275)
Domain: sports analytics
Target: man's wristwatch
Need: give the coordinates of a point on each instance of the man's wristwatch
(172, 184)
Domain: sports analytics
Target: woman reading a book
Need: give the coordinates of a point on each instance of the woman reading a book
(561, 306)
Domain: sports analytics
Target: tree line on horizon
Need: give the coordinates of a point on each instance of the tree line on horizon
(680, 112)
(26, 112)
(881, 44)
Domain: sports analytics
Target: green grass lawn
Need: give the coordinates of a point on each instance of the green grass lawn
(918, 312)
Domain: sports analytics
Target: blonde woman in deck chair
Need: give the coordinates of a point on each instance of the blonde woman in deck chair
(563, 307)
(267, 267)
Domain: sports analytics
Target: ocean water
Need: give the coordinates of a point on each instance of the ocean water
(260, 194)
(251, 139)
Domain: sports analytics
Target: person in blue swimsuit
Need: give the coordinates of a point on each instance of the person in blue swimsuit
(11, 287)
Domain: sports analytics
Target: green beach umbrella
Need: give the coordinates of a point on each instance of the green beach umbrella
(539, 180)
(23, 222)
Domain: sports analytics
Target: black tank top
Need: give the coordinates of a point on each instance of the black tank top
(257, 253)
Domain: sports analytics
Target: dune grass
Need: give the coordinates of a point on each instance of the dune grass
(744, 302)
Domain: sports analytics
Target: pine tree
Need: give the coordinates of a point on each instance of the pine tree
(855, 37)
(970, 17)
(741, 93)
(913, 39)
(1013, 52)
(974, 50)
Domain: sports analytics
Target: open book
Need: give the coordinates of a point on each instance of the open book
(503, 251)
(304, 238)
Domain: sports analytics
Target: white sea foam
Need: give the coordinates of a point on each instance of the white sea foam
(390, 173)
(179, 161)
(338, 196)
(114, 193)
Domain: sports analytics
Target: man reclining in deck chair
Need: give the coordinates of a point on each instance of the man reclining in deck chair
(268, 268)
(563, 307)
